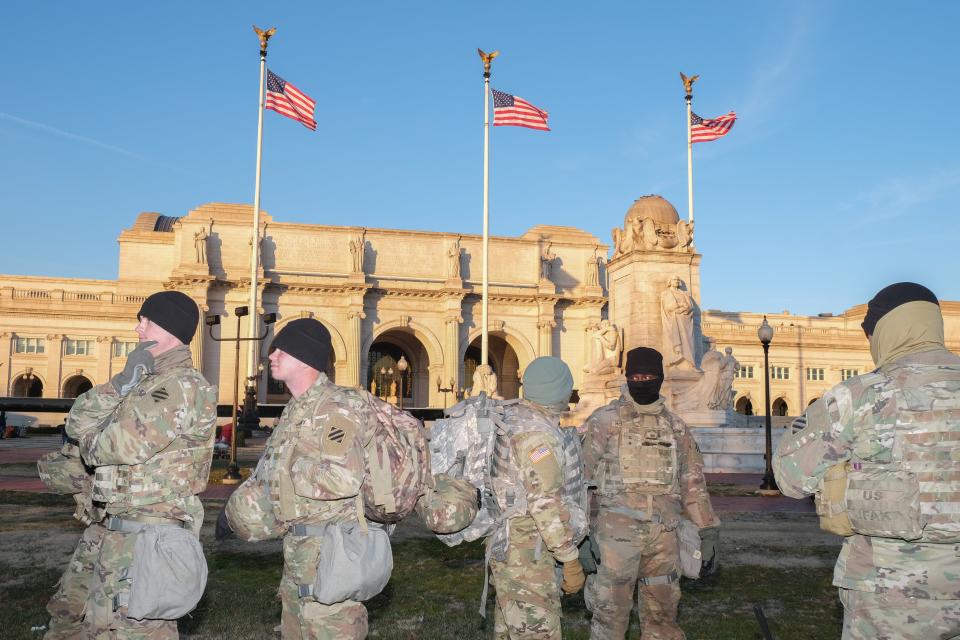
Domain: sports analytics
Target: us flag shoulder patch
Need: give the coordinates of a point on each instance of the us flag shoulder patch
(160, 394)
(539, 453)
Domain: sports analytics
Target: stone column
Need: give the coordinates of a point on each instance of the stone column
(104, 359)
(196, 345)
(545, 336)
(355, 317)
(51, 387)
(6, 347)
(451, 356)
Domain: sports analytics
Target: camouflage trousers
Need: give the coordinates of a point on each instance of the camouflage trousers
(68, 604)
(306, 619)
(895, 616)
(83, 605)
(528, 594)
(629, 551)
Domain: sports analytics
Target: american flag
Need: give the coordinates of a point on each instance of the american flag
(513, 111)
(705, 130)
(287, 100)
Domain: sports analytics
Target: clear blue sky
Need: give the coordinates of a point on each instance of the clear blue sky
(841, 175)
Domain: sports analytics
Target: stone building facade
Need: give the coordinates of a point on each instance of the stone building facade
(387, 293)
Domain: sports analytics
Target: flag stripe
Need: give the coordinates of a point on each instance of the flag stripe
(707, 129)
(287, 100)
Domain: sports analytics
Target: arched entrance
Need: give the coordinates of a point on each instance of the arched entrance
(383, 373)
(27, 386)
(779, 407)
(812, 401)
(744, 406)
(75, 385)
(502, 358)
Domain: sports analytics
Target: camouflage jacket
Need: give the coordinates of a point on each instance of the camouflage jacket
(686, 495)
(151, 449)
(313, 464)
(63, 471)
(855, 421)
(535, 458)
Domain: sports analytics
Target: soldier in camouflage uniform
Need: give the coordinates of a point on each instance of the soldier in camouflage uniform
(880, 452)
(648, 474)
(535, 495)
(147, 435)
(310, 475)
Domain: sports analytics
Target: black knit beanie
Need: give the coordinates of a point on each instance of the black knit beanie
(889, 298)
(306, 340)
(174, 311)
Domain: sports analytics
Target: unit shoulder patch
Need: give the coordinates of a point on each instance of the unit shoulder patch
(338, 432)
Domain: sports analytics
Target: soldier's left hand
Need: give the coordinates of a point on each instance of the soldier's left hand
(573, 578)
(709, 547)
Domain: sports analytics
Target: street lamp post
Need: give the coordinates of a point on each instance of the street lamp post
(233, 469)
(402, 366)
(769, 484)
(445, 390)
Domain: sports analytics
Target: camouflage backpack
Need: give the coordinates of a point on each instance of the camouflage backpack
(396, 464)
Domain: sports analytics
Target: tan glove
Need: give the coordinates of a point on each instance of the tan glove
(573, 577)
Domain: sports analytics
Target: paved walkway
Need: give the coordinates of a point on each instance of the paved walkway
(26, 450)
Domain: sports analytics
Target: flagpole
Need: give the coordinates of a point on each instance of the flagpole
(253, 360)
(485, 287)
(688, 85)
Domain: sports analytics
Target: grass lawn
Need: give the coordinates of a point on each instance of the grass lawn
(435, 590)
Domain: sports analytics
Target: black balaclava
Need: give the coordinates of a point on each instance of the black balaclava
(645, 360)
(889, 298)
(306, 340)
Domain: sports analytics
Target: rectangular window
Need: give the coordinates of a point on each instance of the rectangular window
(846, 374)
(815, 373)
(77, 347)
(745, 371)
(29, 345)
(123, 349)
(779, 373)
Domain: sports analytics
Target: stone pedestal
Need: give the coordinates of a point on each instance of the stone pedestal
(733, 449)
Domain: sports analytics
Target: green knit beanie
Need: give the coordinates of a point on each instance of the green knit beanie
(547, 381)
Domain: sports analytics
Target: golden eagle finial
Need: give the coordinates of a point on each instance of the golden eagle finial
(487, 59)
(688, 82)
(264, 35)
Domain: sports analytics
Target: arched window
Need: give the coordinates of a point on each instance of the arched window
(744, 406)
(28, 386)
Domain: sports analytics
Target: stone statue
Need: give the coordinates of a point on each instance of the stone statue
(701, 395)
(676, 315)
(546, 262)
(608, 345)
(636, 233)
(373, 387)
(484, 379)
(453, 259)
(723, 391)
(685, 236)
(593, 269)
(200, 245)
(618, 241)
(357, 246)
(393, 388)
(649, 235)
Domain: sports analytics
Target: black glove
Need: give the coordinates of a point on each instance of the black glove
(709, 546)
(139, 364)
(223, 530)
